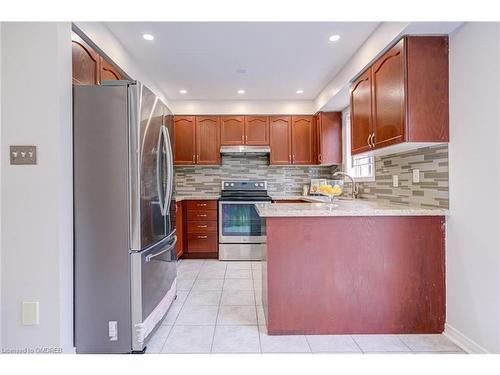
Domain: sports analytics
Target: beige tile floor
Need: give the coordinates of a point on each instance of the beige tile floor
(219, 310)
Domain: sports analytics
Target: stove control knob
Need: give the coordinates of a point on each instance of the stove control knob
(262, 185)
(256, 184)
(232, 184)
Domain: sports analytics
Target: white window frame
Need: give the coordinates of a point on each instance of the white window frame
(348, 158)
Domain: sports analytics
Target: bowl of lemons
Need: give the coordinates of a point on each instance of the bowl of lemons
(332, 189)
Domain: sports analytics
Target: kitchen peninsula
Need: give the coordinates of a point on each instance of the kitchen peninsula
(362, 267)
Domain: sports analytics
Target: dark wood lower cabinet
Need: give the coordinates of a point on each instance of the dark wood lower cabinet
(354, 275)
(208, 226)
(202, 215)
(200, 229)
(179, 226)
(202, 242)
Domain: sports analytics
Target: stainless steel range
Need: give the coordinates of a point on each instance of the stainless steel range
(242, 232)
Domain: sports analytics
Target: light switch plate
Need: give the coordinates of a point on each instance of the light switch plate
(416, 176)
(30, 315)
(22, 155)
(395, 181)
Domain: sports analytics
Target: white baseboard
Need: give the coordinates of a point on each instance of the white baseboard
(463, 341)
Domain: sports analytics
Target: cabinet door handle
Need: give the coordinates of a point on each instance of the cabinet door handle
(202, 226)
(368, 140)
(373, 140)
(319, 158)
(202, 237)
(242, 138)
(202, 204)
(293, 158)
(202, 215)
(194, 159)
(290, 159)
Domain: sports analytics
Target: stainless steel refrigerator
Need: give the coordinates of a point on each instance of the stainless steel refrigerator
(124, 216)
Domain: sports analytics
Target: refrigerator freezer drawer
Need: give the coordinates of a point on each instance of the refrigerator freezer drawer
(153, 275)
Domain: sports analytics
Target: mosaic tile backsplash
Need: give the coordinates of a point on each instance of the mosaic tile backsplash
(286, 180)
(431, 191)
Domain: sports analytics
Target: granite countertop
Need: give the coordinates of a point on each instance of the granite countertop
(305, 198)
(344, 207)
(196, 196)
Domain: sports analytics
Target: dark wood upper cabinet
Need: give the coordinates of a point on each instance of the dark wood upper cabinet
(184, 140)
(207, 140)
(280, 140)
(232, 130)
(403, 96)
(292, 139)
(86, 62)
(303, 140)
(329, 137)
(109, 72)
(388, 97)
(427, 97)
(361, 113)
(90, 68)
(256, 130)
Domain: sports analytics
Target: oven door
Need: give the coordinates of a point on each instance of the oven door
(240, 223)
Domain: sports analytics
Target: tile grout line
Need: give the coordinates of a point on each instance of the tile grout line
(218, 310)
(405, 344)
(182, 306)
(256, 311)
(308, 344)
(355, 342)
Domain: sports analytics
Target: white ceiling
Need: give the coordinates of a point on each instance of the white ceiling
(279, 57)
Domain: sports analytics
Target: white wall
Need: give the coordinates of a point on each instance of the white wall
(473, 240)
(37, 200)
(1, 154)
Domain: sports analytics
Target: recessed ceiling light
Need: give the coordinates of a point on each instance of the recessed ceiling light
(334, 38)
(183, 91)
(241, 91)
(148, 36)
(299, 91)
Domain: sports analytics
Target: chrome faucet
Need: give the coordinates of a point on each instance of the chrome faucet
(354, 192)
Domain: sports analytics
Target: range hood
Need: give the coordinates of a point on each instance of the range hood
(243, 149)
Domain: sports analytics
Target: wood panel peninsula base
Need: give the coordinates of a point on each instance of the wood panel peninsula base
(354, 275)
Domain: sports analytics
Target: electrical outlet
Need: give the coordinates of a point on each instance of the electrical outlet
(416, 176)
(30, 314)
(113, 330)
(395, 181)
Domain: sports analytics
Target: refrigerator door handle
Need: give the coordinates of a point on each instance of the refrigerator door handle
(172, 244)
(170, 168)
(158, 170)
